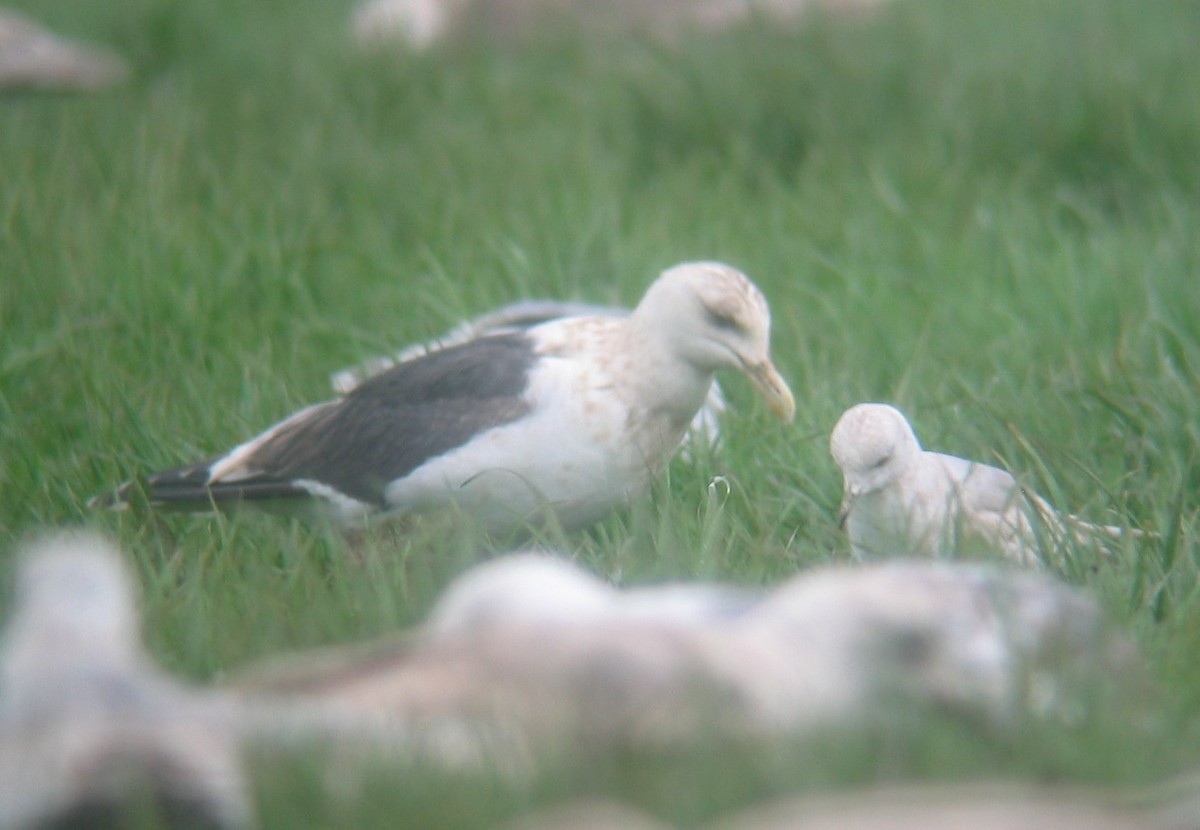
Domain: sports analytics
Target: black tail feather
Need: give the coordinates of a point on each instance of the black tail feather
(187, 488)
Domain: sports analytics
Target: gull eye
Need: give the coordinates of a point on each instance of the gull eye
(722, 320)
(881, 462)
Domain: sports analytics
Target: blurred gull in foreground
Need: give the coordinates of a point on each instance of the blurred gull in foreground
(90, 732)
(530, 658)
(529, 655)
(424, 23)
(32, 57)
(987, 806)
(902, 500)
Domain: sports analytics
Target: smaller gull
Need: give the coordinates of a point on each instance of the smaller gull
(570, 419)
(902, 500)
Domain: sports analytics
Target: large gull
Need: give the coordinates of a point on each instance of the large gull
(570, 418)
(901, 499)
(518, 316)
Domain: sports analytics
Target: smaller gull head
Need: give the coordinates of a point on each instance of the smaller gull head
(720, 320)
(873, 443)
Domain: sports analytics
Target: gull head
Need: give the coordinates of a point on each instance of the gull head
(74, 604)
(873, 443)
(717, 319)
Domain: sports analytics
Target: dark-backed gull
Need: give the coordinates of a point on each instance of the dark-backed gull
(570, 418)
(518, 316)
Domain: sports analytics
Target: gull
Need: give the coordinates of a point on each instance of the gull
(901, 499)
(705, 427)
(90, 730)
(32, 57)
(500, 673)
(566, 420)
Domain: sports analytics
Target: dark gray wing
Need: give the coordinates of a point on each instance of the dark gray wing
(524, 314)
(379, 432)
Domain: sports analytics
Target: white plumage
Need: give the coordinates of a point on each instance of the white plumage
(902, 500)
(504, 670)
(543, 588)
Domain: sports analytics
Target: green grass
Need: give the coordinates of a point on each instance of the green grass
(984, 213)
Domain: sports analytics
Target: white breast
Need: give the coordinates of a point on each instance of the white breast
(574, 452)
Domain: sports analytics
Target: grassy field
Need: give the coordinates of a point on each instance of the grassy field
(983, 212)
